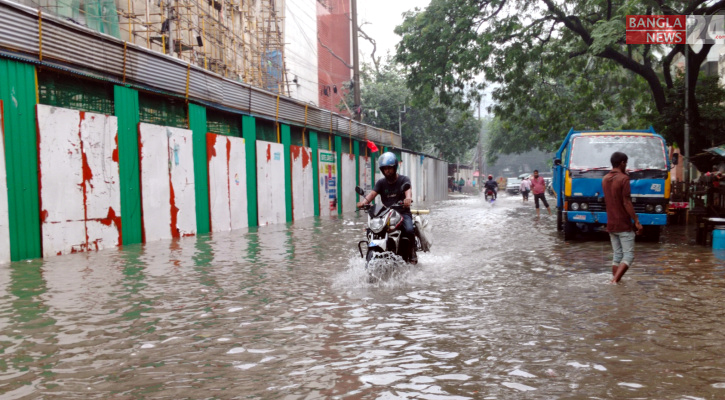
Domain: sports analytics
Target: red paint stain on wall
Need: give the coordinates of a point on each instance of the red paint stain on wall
(87, 175)
(114, 155)
(295, 152)
(305, 158)
(210, 143)
(174, 210)
(352, 157)
(112, 218)
(269, 152)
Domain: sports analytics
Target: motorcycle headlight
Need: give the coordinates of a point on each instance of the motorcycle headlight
(376, 224)
(584, 206)
(659, 208)
(575, 206)
(394, 221)
(649, 208)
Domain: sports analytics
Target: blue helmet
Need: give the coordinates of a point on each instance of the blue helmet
(388, 160)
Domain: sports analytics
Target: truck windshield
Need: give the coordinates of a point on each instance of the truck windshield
(643, 152)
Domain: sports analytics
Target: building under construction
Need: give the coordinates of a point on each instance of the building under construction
(237, 39)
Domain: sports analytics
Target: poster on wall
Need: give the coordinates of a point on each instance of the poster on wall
(328, 183)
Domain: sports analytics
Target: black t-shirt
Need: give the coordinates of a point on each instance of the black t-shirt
(391, 193)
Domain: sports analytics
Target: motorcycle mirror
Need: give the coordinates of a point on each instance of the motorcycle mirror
(406, 186)
(359, 191)
(675, 158)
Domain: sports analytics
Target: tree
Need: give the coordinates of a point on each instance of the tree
(547, 56)
(449, 131)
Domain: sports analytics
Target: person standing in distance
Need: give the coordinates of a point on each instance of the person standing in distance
(620, 214)
(538, 188)
(525, 188)
(390, 188)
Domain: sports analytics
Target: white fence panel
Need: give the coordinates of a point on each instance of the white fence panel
(227, 182)
(270, 183)
(303, 202)
(328, 183)
(167, 182)
(349, 181)
(366, 180)
(79, 182)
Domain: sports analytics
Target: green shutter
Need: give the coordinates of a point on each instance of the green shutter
(315, 172)
(197, 124)
(249, 130)
(338, 150)
(286, 138)
(356, 151)
(127, 112)
(19, 96)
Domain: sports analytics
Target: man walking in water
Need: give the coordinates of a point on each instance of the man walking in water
(620, 214)
(538, 188)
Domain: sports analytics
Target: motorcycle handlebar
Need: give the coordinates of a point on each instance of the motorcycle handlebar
(366, 207)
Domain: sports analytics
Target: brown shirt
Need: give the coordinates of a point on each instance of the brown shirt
(616, 190)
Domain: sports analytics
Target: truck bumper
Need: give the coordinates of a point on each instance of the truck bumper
(587, 217)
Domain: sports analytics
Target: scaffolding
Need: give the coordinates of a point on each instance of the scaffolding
(237, 39)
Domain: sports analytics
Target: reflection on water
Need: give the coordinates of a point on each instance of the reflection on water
(502, 308)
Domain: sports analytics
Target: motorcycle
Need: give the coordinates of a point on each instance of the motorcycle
(384, 232)
(490, 195)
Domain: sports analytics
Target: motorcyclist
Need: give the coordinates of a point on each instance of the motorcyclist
(491, 185)
(390, 188)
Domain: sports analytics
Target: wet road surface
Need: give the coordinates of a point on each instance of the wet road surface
(501, 308)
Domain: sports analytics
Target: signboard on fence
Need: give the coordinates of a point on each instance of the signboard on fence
(328, 183)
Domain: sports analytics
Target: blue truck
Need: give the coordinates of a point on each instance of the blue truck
(582, 161)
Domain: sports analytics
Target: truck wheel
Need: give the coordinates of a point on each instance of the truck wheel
(559, 220)
(569, 230)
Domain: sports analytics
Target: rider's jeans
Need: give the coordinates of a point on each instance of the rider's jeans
(408, 229)
(623, 246)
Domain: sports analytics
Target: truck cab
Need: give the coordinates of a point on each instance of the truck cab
(584, 159)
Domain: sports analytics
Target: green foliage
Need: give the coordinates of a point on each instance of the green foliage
(553, 65)
(450, 132)
(706, 130)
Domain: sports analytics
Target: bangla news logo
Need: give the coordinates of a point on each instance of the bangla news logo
(675, 29)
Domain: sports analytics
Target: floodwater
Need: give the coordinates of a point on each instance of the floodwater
(501, 308)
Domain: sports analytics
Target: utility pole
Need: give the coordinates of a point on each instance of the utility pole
(355, 64)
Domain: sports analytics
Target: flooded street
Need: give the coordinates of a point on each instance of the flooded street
(501, 308)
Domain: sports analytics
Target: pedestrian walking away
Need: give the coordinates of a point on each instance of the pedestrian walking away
(620, 214)
(538, 188)
(525, 188)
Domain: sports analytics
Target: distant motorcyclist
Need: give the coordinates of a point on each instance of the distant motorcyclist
(491, 185)
(391, 192)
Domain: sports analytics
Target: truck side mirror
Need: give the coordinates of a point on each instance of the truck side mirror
(557, 161)
(675, 158)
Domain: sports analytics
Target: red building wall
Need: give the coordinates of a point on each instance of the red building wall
(333, 30)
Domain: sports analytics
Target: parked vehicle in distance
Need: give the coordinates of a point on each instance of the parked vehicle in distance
(513, 185)
(584, 159)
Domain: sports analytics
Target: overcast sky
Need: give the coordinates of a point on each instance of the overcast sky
(381, 17)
